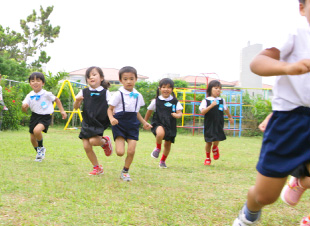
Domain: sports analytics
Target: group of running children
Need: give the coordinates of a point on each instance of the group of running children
(286, 144)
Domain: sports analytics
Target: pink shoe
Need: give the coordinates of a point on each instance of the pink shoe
(208, 161)
(292, 192)
(97, 170)
(216, 153)
(305, 221)
(107, 147)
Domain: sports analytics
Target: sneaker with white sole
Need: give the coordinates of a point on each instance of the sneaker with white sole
(162, 164)
(125, 176)
(43, 150)
(216, 153)
(305, 221)
(242, 221)
(292, 192)
(155, 153)
(107, 147)
(98, 170)
(39, 155)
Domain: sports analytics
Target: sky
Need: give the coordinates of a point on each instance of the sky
(156, 37)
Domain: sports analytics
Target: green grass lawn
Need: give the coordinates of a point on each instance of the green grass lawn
(59, 191)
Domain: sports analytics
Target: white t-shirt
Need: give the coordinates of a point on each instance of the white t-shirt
(42, 105)
(100, 88)
(152, 105)
(203, 103)
(130, 102)
(292, 91)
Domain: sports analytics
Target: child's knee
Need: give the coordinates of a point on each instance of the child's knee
(120, 152)
(265, 199)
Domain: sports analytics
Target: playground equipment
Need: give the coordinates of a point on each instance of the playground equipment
(75, 111)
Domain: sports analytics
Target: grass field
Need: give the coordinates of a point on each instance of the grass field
(58, 191)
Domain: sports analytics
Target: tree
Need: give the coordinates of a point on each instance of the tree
(38, 32)
(9, 41)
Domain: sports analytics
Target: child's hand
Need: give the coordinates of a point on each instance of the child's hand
(79, 99)
(263, 125)
(114, 122)
(5, 108)
(63, 114)
(176, 115)
(147, 126)
(298, 68)
(231, 120)
(25, 107)
(213, 104)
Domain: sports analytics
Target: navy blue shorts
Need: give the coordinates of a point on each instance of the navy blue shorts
(286, 143)
(127, 127)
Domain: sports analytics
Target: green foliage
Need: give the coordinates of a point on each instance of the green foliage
(9, 41)
(38, 32)
(148, 91)
(13, 69)
(180, 84)
(12, 99)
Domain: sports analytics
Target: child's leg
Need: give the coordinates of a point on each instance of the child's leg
(265, 192)
(90, 152)
(167, 148)
(96, 141)
(120, 146)
(208, 150)
(160, 134)
(130, 152)
(33, 140)
(215, 150)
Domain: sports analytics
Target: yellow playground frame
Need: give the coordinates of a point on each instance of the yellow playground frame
(78, 111)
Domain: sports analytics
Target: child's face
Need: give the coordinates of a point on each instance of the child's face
(128, 80)
(36, 84)
(304, 10)
(216, 91)
(165, 90)
(94, 79)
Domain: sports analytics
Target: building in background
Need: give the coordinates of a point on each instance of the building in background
(247, 78)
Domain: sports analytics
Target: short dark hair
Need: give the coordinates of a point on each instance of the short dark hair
(165, 81)
(105, 84)
(213, 83)
(127, 69)
(38, 75)
(302, 1)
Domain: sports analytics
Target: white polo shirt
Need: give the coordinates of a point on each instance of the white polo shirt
(203, 103)
(42, 106)
(292, 91)
(100, 88)
(130, 102)
(152, 105)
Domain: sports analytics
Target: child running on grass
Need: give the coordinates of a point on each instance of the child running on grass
(286, 143)
(95, 117)
(40, 102)
(212, 108)
(298, 183)
(166, 110)
(125, 117)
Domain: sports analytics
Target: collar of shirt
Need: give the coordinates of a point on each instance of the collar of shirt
(166, 99)
(214, 98)
(100, 88)
(42, 91)
(123, 90)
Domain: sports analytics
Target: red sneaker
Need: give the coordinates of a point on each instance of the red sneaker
(107, 147)
(216, 153)
(208, 161)
(97, 170)
(305, 221)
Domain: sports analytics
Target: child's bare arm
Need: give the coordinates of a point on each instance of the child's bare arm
(230, 119)
(207, 109)
(267, 63)
(148, 115)
(25, 107)
(61, 109)
(263, 125)
(145, 124)
(77, 102)
(177, 114)
(113, 120)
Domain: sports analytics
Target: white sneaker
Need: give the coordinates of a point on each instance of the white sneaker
(43, 150)
(125, 176)
(38, 156)
(242, 221)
